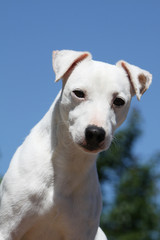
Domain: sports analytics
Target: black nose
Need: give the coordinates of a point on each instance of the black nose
(94, 136)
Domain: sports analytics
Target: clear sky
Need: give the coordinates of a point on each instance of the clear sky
(110, 29)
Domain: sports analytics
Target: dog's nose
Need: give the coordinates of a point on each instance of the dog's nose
(94, 136)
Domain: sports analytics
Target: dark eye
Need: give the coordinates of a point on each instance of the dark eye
(118, 102)
(79, 93)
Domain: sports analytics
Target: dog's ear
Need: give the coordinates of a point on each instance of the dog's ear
(139, 78)
(64, 61)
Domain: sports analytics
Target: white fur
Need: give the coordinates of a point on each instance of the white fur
(51, 189)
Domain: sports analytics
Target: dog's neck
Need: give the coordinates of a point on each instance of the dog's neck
(72, 164)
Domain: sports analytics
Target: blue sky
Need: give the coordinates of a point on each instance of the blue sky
(110, 30)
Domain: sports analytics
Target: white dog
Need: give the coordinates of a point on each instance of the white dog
(51, 190)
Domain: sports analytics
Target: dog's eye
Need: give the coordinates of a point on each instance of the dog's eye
(79, 93)
(119, 102)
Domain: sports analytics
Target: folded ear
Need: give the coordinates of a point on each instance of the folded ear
(65, 61)
(139, 78)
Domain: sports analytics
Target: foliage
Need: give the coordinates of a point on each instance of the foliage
(134, 213)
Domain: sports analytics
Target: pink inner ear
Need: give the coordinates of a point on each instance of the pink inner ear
(142, 80)
(129, 75)
(126, 69)
(79, 59)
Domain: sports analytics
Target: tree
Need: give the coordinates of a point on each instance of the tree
(133, 214)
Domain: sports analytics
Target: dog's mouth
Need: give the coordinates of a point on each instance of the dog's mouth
(92, 148)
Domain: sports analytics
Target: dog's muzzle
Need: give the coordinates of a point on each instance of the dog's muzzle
(94, 138)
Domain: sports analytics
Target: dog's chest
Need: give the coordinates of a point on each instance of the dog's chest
(69, 219)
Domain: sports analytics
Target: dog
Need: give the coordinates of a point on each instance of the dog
(51, 189)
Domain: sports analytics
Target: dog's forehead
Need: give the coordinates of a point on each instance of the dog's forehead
(99, 76)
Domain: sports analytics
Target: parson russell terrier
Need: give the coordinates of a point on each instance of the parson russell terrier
(51, 189)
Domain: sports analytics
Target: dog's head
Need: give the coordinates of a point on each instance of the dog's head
(96, 96)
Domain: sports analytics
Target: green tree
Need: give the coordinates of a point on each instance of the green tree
(134, 213)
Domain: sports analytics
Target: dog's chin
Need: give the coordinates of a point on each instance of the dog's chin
(92, 149)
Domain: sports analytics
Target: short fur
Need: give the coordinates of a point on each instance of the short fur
(51, 189)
